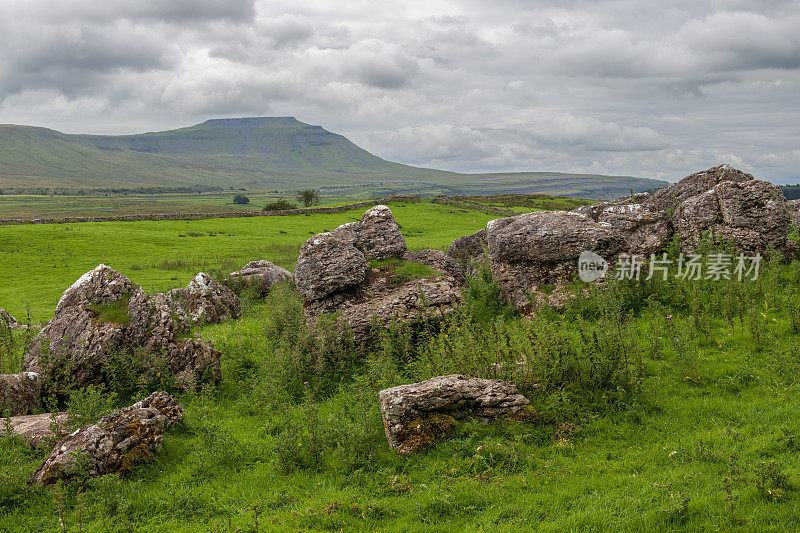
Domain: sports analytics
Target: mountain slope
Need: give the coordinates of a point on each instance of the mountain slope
(255, 153)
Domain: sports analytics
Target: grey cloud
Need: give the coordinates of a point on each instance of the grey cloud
(613, 86)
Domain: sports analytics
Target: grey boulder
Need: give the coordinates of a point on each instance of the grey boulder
(115, 444)
(105, 313)
(260, 275)
(19, 393)
(416, 414)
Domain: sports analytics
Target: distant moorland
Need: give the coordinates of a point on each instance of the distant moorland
(277, 154)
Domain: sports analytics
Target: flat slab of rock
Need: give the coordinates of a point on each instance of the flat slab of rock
(19, 393)
(415, 414)
(116, 443)
(37, 430)
(260, 275)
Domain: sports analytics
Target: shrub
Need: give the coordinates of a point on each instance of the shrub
(88, 405)
(241, 199)
(280, 205)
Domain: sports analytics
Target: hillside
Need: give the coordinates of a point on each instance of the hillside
(257, 154)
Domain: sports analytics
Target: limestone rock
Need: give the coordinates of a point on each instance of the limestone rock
(468, 247)
(379, 236)
(414, 414)
(19, 393)
(695, 184)
(207, 301)
(794, 206)
(116, 443)
(379, 300)
(543, 247)
(37, 430)
(105, 313)
(7, 320)
(260, 275)
(645, 231)
(327, 264)
(333, 276)
(753, 215)
(439, 261)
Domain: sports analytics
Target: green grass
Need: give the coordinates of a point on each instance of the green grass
(716, 451)
(38, 262)
(115, 312)
(401, 270)
(659, 406)
(526, 202)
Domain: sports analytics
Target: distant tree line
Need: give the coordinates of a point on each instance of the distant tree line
(791, 192)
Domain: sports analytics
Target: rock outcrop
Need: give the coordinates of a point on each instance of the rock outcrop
(333, 276)
(259, 275)
(327, 264)
(206, 301)
(468, 247)
(794, 206)
(105, 313)
(539, 248)
(115, 444)
(379, 236)
(728, 204)
(528, 250)
(37, 430)
(19, 393)
(416, 414)
(7, 320)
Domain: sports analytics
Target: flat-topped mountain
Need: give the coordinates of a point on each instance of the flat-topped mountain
(254, 153)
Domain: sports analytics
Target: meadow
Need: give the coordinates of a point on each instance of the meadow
(39, 262)
(660, 405)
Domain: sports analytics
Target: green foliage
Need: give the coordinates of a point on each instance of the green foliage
(308, 197)
(241, 199)
(279, 205)
(400, 270)
(660, 405)
(88, 405)
(115, 312)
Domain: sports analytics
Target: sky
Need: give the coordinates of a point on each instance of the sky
(642, 88)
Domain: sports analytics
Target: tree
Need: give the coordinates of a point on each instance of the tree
(241, 199)
(308, 197)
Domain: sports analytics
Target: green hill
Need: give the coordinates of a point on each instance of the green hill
(254, 153)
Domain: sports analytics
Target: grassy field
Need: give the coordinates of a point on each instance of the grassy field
(33, 206)
(659, 406)
(38, 262)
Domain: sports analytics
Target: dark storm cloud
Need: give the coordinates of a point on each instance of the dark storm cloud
(612, 86)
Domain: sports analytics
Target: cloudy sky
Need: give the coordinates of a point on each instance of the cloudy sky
(651, 89)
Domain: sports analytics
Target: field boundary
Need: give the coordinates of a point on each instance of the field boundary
(227, 214)
(449, 201)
